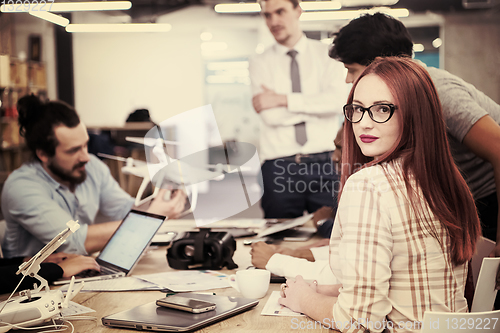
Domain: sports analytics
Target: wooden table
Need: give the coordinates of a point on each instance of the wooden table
(106, 303)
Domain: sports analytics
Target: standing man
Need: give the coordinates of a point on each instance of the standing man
(63, 182)
(298, 91)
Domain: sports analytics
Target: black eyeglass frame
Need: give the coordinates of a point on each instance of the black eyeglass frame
(392, 107)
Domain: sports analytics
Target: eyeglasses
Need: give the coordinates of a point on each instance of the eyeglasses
(380, 113)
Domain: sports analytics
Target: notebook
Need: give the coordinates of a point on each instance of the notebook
(124, 249)
(150, 317)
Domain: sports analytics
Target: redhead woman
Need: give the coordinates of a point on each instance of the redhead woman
(406, 224)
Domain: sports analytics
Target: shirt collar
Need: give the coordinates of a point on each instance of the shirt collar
(300, 46)
(45, 175)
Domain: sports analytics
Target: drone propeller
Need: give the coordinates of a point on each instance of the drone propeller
(150, 142)
(128, 160)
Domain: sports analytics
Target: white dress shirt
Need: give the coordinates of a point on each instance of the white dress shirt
(324, 92)
(290, 267)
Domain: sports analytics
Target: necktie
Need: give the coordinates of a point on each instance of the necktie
(300, 128)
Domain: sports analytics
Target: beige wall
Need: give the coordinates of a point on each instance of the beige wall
(472, 50)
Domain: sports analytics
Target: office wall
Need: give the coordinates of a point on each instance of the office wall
(472, 49)
(116, 73)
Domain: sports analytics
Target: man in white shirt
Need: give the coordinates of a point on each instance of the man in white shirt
(298, 93)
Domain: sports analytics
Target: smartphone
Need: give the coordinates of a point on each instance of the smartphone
(186, 304)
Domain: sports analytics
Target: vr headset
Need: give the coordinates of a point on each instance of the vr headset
(202, 249)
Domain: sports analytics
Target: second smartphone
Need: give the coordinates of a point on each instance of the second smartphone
(186, 304)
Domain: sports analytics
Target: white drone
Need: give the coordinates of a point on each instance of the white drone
(169, 170)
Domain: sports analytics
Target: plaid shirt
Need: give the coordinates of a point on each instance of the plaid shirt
(390, 269)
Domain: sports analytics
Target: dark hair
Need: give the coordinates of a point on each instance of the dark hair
(426, 158)
(38, 119)
(295, 3)
(371, 36)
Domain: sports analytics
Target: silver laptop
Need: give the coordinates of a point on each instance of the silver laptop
(150, 317)
(124, 248)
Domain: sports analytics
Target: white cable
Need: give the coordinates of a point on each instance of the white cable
(63, 327)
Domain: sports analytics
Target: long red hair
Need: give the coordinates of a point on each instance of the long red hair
(425, 154)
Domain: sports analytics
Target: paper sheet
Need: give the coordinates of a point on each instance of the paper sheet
(75, 309)
(181, 281)
(273, 308)
(240, 223)
(119, 284)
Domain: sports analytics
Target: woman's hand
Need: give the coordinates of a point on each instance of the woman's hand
(293, 293)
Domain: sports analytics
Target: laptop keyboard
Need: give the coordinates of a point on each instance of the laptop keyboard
(91, 272)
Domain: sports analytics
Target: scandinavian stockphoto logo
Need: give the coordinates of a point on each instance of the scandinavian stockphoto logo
(178, 151)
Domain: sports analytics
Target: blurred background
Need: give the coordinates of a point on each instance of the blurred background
(203, 59)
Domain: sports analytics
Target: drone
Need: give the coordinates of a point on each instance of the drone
(170, 172)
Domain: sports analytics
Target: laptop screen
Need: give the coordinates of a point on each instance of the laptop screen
(131, 238)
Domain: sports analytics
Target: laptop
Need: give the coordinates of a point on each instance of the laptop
(124, 249)
(150, 317)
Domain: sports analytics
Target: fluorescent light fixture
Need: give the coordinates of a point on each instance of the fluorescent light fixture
(52, 6)
(255, 7)
(320, 5)
(437, 42)
(351, 14)
(237, 8)
(371, 3)
(418, 47)
(119, 27)
(52, 18)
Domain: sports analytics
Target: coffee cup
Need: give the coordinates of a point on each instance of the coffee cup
(251, 283)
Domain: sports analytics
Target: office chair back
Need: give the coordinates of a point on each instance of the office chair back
(485, 293)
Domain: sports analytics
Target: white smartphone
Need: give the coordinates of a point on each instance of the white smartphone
(186, 304)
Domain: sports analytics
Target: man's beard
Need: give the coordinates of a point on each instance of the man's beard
(67, 176)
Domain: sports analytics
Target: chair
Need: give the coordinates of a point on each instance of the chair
(485, 293)
(473, 322)
(483, 249)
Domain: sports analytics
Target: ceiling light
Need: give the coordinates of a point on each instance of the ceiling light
(320, 5)
(437, 42)
(418, 47)
(119, 27)
(371, 3)
(351, 14)
(52, 18)
(67, 6)
(255, 7)
(237, 8)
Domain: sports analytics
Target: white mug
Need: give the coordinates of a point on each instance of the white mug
(251, 283)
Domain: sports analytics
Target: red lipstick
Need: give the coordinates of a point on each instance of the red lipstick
(367, 138)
